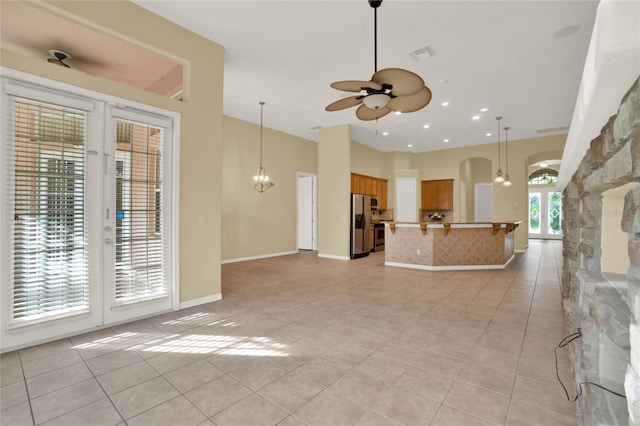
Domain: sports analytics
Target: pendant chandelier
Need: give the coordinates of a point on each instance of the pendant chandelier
(499, 177)
(507, 180)
(261, 180)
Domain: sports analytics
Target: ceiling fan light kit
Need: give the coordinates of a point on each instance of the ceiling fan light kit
(390, 89)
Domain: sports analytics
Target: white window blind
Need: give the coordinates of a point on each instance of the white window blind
(140, 251)
(48, 257)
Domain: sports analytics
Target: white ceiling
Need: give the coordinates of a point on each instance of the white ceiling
(506, 56)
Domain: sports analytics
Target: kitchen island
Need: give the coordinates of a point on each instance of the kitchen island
(449, 246)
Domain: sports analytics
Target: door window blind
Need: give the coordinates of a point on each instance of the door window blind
(140, 253)
(48, 264)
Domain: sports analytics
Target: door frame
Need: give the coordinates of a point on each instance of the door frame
(42, 89)
(314, 208)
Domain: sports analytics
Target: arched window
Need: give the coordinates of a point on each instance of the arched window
(544, 176)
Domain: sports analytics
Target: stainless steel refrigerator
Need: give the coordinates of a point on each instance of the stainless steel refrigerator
(360, 225)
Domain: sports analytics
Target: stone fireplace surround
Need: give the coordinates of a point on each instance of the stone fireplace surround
(608, 316)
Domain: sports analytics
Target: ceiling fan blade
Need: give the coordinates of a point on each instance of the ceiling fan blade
(411, 103)
(403, 82)
(355, 85)
(367, 114)
(57, 62)
(349, 102)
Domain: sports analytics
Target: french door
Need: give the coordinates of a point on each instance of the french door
(86, 214)
(545, 213)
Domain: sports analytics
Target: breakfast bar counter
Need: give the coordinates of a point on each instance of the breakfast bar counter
(449, 246)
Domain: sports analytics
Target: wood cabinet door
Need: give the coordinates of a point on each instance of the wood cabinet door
(382, 194)
(444, 194)
(357, 184)
(369, 186)
(428, 195)
(354, 179)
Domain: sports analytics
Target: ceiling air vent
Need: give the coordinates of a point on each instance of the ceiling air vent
(423, 53)
(553, 130)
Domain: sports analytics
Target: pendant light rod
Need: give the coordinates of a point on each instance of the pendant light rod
(507, 179)
(261, 109)
(499, 176)
(506, 148)
(375, 40)
(499, 164)
(375, 4)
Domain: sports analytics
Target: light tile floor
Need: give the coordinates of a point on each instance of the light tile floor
(304, 340)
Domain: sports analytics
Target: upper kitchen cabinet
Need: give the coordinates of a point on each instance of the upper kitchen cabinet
(369, 185)
(437, 194)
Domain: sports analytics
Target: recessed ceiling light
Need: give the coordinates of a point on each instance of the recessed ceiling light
(445, 103)
(484, 109)
(410, 146)
(385, 133)
(488, 134)
(475, 117)
(426, 126)
(398, 112)
(544, 164)
(446, 141)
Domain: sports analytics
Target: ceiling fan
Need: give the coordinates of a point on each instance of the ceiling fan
(59, 56)
(390, 89)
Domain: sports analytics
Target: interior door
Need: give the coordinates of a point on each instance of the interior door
(406, 199)
(483, 211)
(545, 213)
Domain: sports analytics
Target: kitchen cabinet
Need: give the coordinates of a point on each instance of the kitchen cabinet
(437, 194)
(369, 185)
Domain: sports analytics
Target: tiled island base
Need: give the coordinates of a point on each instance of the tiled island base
(455, 246)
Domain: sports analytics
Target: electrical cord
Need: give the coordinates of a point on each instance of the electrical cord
(564, 342)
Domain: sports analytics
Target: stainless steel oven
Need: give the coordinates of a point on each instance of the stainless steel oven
(378, 237)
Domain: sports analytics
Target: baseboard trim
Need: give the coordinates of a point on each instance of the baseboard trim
(260, 256)
(200, 301)
(333, 256)
(447, 267)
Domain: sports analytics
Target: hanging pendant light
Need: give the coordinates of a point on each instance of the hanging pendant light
(261, 180)
(507, 179)
(499, 178)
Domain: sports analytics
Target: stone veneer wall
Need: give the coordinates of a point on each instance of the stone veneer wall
(608, 318)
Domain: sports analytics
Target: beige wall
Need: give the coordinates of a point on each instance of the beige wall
(509, 203)
(367, 161)
(201, 125)
(255, 224)
(334, 188)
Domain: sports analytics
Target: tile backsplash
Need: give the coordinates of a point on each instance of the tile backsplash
(378, 215)
(448, 215)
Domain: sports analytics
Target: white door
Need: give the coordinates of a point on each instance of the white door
(545, 213)
(305, 212)
(86, 216)
(483, 202)
(136, 219)
(406, 200)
